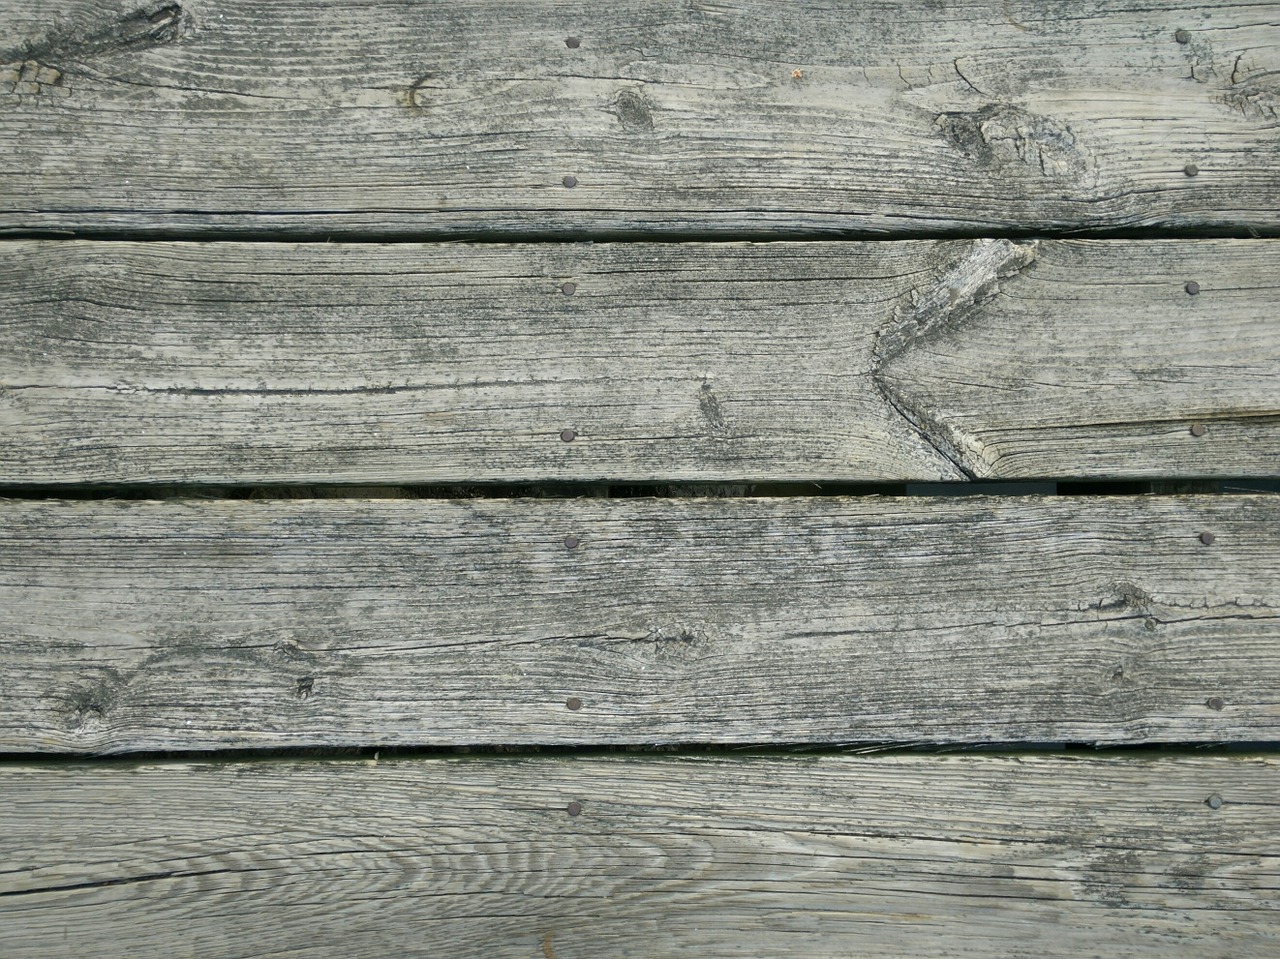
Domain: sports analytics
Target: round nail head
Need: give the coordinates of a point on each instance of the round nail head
(1214, 801)
(574, 703)
(568, 435)
(1215, 704)
(1207, 538)
(568, 289)
(1182, 36)
(571, 542)
(1191, 170)
(573, 42)
(570, 181)
(1193, 288)
(575, 808)
(1198, 429)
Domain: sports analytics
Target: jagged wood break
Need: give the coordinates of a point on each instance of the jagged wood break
(919, 360)
(480, 117)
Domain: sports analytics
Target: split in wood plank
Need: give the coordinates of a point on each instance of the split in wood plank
(132, 626)
(887, 856)
(446, 363)
(478, 117)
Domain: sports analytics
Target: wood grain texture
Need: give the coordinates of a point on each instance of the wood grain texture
(130, 626)
(753, 857)
(465, 117)
(408, 363)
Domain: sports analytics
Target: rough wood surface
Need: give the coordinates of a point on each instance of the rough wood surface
(706, 115)
(194, 625)
(885, 856)
(920, 360)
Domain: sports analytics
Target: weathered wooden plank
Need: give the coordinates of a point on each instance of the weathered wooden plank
(886, 857)
(243, 363)
(710, 115)
(194, 624)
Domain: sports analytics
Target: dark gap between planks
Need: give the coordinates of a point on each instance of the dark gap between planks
(677, 750)
(212, 233)
(563, 490)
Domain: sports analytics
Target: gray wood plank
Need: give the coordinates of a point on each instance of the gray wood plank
(472, 116)
(408, 363)
(831, 856)
(214, 624)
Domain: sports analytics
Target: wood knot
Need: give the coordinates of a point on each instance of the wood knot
(89, 705)
(634, 111)
(1129, 597)
(1008, 138)
(155, 25)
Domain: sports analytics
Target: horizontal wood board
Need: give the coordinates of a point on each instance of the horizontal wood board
(454, 363)
(128, 626)
(885, 856)
(715, 116)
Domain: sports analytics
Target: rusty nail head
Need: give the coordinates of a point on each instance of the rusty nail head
(1191, 169)
(570, 181)
(1214, 801)
(1207, 538)
(573, 42)
(568, 289)
(1193, 288)
(1182, 36)
(575, 808)
(1198, 429)
(568, 435)
(574, 703)
(571, 542)
(1215, 704)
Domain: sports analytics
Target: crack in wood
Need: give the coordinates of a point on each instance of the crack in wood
(121, 881)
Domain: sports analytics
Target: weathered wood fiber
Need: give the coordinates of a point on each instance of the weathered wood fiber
(921, 360)
(827, 857)
(195, 625)
(708, 115)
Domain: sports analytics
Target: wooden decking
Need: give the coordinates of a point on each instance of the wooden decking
(557, 480)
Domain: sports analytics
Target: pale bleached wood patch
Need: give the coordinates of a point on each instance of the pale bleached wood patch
(920, 360)
(206, 625)
(480, 117)
(890, 856)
